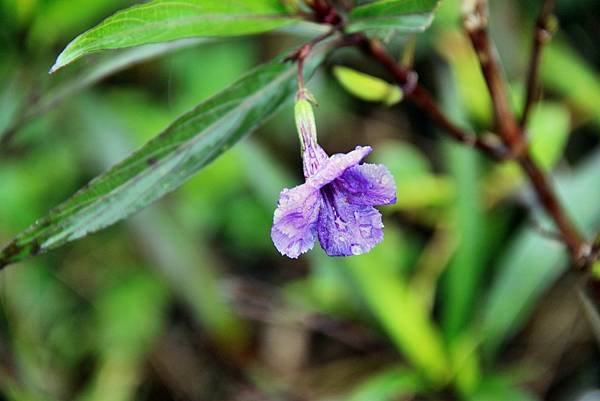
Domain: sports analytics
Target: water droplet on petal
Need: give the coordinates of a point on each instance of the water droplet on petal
(356, 249)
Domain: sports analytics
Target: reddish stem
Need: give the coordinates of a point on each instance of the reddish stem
(541, 35)
(475, 21)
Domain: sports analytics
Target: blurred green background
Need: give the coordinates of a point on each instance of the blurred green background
(189, 300)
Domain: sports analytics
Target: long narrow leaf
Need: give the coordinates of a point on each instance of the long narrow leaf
(106, 65)
(399, 15)
(166, 20)
(532, 262)
(164, 163)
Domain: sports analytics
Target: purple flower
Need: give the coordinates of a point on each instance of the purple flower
(336, 201)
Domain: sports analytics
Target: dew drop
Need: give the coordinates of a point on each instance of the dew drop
(356, 249)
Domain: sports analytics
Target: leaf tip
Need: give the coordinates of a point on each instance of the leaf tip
(59, 63)
(54, 68)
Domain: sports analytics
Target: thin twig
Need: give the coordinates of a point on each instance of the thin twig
(301, 54)
(475, 21)
(541, 35)
(407, 79)
(549, 200)
(515, 143)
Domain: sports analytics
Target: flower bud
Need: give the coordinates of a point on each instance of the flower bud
(305, 119)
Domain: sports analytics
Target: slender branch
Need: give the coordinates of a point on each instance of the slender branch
(514, 145)
(509, 130)
(301, 54)
(547, 197)
(475, 22)
(407, 79)
(541, 35)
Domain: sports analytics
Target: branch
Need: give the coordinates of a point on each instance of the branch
(475, 19)
(511, 133)
(541, 34)
(408, 79)
(301, 54)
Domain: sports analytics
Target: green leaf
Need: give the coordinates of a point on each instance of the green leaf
(367, 87)
(500, 388)
(463, 277)
(566, 72)
(532, 262)
(166, 20)
(387, 385)
(171, 247)
(401, 313)
(166, 162)
(399, 15)
(414, 176)
(549, 127)
(105, 66)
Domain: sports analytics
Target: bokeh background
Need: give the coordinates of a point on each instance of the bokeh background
(189, 300)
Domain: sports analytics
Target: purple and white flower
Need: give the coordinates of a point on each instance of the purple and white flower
(336, 201)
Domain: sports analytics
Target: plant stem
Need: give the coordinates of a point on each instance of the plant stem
(475, 22)
(541, 35)
(547, 197)
(513, 137)
(512, 133)
(408, 82)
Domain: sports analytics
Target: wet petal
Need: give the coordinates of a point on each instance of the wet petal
(344, 228)
(313, 156)
(335, 166)
(369, 185)
(295, 219)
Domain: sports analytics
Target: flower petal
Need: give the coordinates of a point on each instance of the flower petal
(313, 156)
(344, 228)
(369, 185)
(335, 166)
(295, 219)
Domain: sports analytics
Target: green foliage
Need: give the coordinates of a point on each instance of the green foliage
(388, 385)
(532, 263)
(367, 87)
(396, 15)
(468, 220)
(415, 180)
(582, 86)
(165, 20)
(189, 297)
(414, 334)
(105, 66)
(549, 129)
(165, 163)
